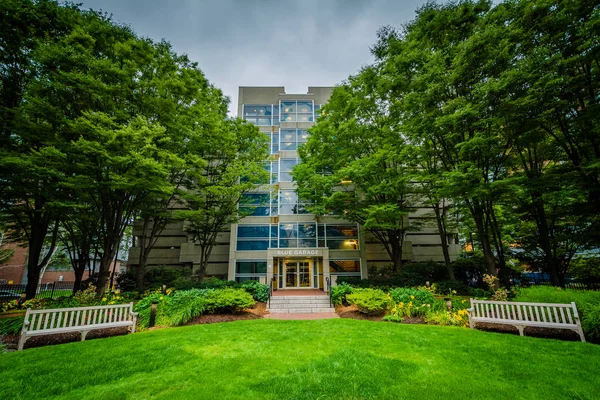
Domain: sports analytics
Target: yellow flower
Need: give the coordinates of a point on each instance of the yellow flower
(160, 298)
(412, 297)
(454, 292)
(104, 299)
(117, 292)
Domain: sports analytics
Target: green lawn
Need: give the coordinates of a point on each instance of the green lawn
(339, 358)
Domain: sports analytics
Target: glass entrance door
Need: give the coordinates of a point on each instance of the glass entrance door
(297, 274)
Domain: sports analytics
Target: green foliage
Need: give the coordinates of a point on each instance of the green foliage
(228, 300)
(370, 301)
(339, 293)
(258, 291)
(451, 287)
(586, 269)
(445, 318)
(587, 305)
(181, 306)
(392, 318)
(418, 297)
(11, 326)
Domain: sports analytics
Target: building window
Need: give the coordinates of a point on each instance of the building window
(258, 205)
(256, 237)
(297, 111)
(297, 235)
(338, 237)
(275, 143)
(261, 114)
(344, 267)
(286, 165)
(250, 270)
(290, 204)
(290, 139)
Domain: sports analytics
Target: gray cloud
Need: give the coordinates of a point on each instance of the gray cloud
(288, 43)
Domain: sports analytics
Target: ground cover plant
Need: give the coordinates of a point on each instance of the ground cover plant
(268, 359)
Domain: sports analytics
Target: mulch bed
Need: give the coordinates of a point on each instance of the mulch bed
(352, 312)
(562, 334)
(12, 341)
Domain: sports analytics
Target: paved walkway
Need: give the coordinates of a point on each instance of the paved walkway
(302, 316)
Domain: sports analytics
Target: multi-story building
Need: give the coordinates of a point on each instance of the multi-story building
(279, 238)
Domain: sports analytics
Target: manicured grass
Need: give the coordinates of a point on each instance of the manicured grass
(339, 358)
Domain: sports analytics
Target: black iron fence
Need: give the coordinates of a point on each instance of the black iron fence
(50, 290)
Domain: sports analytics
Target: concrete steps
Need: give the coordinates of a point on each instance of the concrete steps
(300, 305)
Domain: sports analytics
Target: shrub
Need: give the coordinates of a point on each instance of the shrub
(228, 300)
(443, 317)
(259, 291)
(411, 302)
(470, 267)
(370, 301)
(339, 292)
(176, 309)
(418, 273)
(417, 296)
(447, 287)
(588, 305)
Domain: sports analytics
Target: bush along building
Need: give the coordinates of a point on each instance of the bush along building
(278, 240)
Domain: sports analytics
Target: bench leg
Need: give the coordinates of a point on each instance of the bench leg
(22, 341)
(472, 325)
(521, 329)
(580, 332)
(83, 335)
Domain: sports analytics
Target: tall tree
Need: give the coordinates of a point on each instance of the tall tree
(235, 152)
(353, 164)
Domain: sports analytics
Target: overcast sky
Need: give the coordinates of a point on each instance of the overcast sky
(291, 43)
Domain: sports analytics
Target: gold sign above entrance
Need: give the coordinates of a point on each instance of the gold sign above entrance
(299, 252)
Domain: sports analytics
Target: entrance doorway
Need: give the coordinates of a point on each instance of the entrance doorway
(297, 274)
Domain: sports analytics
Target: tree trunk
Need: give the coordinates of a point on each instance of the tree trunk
(439, 215)
(490, 260)
(36, 242)
(143, 258)
(79, 271)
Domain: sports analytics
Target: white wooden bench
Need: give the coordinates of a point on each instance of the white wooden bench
(77, 319)
(520, 315)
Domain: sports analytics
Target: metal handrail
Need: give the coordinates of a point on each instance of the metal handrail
(270, 292)
(329, 290)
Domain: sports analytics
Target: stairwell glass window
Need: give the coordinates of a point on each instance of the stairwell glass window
(286, 165)
(297, 111)
(292, 138)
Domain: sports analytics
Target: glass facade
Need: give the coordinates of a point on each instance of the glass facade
(274, 201)
(261, 114)
(289, 203)
(297, 234)
(286, 165)
(250, 270)
(258, 205)
(290, 139)
(297, 111)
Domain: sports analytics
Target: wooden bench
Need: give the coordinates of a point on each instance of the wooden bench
(520, 315)
(77, 319)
